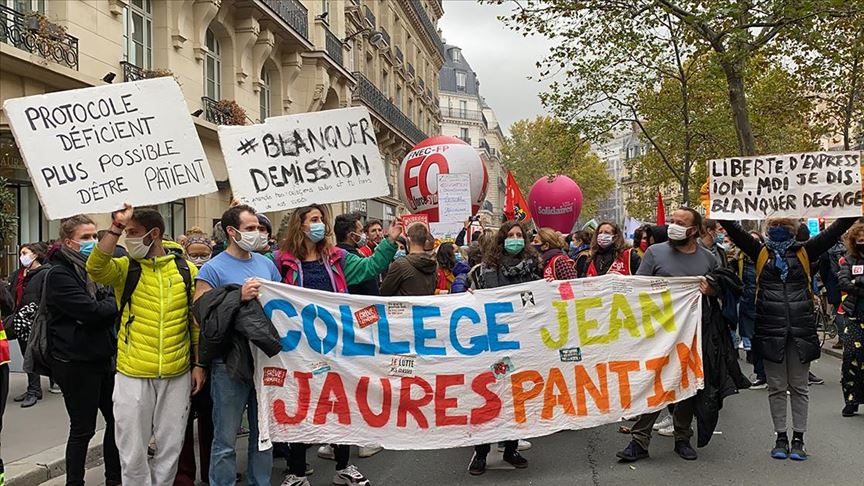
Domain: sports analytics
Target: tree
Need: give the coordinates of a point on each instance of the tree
(599, 33)
(8, 218)
(549, 146)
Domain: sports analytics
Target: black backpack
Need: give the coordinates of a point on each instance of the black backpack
(134, 275)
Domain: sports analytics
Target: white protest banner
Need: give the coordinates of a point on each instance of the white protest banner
(90, 150)
(454, 198)
(296, 160)
(445, 231)
(804, 185)
(514, 362)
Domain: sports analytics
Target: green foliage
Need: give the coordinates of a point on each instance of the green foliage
(548, 146)
(8, 216)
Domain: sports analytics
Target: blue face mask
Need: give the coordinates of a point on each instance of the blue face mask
(779, 234)
(399, 254)
(86, 247)
(718, 240)
(458, 257)
(316, 232)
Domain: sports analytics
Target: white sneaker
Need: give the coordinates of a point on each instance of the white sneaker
(350, 476)
(370, 451)
(667, 431)
(326, 452)
(666, 422)
(292, 480)
(524, 445)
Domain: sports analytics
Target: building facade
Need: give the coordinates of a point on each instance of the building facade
(270, 57)
(467, 116)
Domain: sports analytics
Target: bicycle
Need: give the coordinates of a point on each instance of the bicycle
(825, 327)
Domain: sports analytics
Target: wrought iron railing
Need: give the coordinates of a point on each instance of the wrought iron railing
(131, 72)
(23, 31)
(370, 17)
(410, 69)
(386, 36)
(375, 99)
(213, 113)
(293, 13)
(485, 145)
(333, 46)
(465, 139)
(428, 27)
(399, 56)
(421, 83)
(451, 112)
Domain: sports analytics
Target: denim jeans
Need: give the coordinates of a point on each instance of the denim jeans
(230, 397)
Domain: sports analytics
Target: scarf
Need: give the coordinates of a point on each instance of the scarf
(79, 264)
(780, 248)
(603, 259)
(516, 268)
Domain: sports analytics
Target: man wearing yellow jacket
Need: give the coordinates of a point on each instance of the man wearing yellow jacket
(156, 345)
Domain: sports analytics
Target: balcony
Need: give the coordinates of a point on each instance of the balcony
(131, 72)
(368, 94)
(385, 35)
(430, 29)
(421, 83)
(472, 115)
(485, 145)
(215, 114)
(293, 13)
(400, 58)
(370, 17)
(333, 46)
(410, 70)
(465, 139)
(24, 32)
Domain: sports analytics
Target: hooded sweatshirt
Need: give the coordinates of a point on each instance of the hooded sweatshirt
(416, 274)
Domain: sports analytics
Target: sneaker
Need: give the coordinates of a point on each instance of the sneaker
(478, 465)
(667, 431)
(759, 384)
(781, 448)
(350, 476)
(55, 389)
(633, 452)
(309, 469)
(666, 422)
(516, 460)
(21, 397)
(292, 480)
(524, 445)
(326, 452)
(29, 401)
(685, 450)
(797, 452)
(850, 410)
(370, 451)
(814, 380)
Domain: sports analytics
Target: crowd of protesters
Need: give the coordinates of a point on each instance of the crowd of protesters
(134, 331)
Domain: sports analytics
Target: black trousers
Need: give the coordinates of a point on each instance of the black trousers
(34, 384)
(510, 446)
(87, 390)
(4, 392)
(297, 458)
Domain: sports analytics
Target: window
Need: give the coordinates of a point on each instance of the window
(460, 80)
(410, 108)
(138, 33)
(325, 11)
(463, 108)
(385, 83)
(212, 67)
(399, 97)
(463, 134)
(174, 214)
(24, 6)
(454, 55)
(264, 95)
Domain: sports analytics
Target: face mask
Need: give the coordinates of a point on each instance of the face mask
(643, 246)
(678, 232)
(362, 241)
(27, 260)
(250, 240)
(860, 248)
(573, 246)
(458, 257)
(198, 261)
(604, 240)
(779, 234)
(718, 240)
(316, 232)
(514, 245)
(723, 247)
(136, 247)
(86, 247)
(538, 248)
(399, 254)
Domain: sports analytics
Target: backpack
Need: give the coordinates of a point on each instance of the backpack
(37, 357)
(762, 260)
(134, 275)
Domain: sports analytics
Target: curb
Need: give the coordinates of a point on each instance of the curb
(49, 464)
(837, 353)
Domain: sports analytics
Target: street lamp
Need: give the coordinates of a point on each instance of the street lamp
(375, 38)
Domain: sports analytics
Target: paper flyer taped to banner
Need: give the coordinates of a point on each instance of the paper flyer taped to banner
(514, 362)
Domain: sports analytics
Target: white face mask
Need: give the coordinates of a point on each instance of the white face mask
(678, 232)
(250, 240)
(27, 260)
(136, 247)
(604, 240)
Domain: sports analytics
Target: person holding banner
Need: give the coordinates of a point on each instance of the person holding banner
(508, 260)
(308, 259)
(852, 282)
(785, 334)
(557, 266)
(609, 253)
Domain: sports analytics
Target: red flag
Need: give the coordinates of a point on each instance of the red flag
(661, 209)
(515, 207)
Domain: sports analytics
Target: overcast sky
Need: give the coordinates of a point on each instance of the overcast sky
(502, 58)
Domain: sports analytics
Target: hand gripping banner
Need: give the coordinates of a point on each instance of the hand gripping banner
(456, 370)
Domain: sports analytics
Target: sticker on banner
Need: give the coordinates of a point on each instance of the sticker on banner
(621, 288)
(566, 291)
(502, 368)
(527, 299)
(396, 309)
(570, 354)
(274, 376)
(659, 285)
(367, 316)
(857, 269)
(320, 367)
(402, 365)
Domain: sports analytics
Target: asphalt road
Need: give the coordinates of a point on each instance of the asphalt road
(738, 454)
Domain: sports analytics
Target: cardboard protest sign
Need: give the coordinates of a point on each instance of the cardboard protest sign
(808, 185)
(90, 150)
(296, 160)
(454, 197)
(514, 362)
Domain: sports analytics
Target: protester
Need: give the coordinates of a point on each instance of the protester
(374, 231)
(351, 238)
(308, 259)
(416, 273)
(28, 283)
(829, 270)
(747, 313)
(198, 248)
(474, 263)
(119, 250)
(5, 358)
(447, 260)
(232, 387)
(609, 253)
(156, 334)
(785, 334)
(556, 265)
(712, 240)
(852, 282)
(83, 344)
(580, 251)
(507, 260)
(266, 229)
(680, 257)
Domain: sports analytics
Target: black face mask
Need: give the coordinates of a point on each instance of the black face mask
(860, 248)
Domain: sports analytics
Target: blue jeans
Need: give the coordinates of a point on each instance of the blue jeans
(229, 399)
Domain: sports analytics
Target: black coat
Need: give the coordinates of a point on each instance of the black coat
(852, 284)
(784, 310)
(228, 326)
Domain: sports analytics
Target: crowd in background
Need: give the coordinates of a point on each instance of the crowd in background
(133, 331)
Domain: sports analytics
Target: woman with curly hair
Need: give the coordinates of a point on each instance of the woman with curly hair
(852, 282)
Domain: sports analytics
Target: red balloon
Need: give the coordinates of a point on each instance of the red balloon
(418, 173)
(555, 202)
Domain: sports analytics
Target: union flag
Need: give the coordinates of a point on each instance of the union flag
(515, 207)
